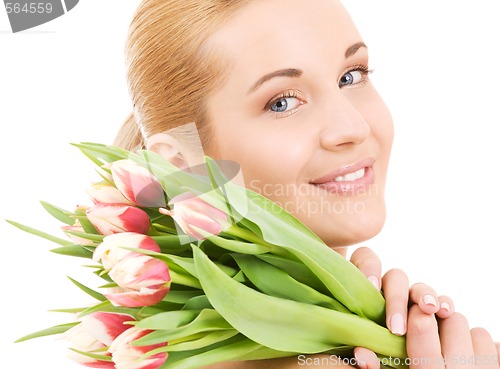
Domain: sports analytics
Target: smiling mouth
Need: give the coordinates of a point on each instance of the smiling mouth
(349, 180)
(351, 177)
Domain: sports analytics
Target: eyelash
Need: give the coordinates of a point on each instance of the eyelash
(363, 69)
(283, 95)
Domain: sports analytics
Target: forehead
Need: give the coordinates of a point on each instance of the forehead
(275, 33)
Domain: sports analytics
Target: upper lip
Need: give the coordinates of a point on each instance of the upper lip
(350, 168)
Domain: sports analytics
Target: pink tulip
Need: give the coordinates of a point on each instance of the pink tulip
(142, 281)
(112, 250)
(94, 334)
(105, 327)
(137, 184)
(116, 218)
(128, 356)
(191, 211)
(106, 194)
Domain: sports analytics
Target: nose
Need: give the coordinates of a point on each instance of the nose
(344, 126)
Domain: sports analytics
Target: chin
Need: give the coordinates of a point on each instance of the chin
(348, 231)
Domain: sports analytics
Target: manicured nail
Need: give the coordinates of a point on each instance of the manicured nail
(398, 324)
(374, 281)
(429, 300)
(445, 306)
(360, 360)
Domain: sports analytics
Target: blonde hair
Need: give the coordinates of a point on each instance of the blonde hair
(169, 70)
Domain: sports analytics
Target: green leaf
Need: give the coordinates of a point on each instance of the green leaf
(93, 355)
(168, 320)
(198, 303)
(85, 223)
(74, 250)
(106, 306)
(69, 311)
(88, 236)
(238, 246)
(296, 270)
(232, 349)
(58, 213)
(58, 329)
(38, 233)
(181, 297)
(88, 291)
(102, 154)
(287, 325)
(195, 342)
(275, 282)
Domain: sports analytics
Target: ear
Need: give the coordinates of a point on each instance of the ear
(169, 148)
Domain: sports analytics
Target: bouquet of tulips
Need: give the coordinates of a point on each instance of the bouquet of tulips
(198, 270)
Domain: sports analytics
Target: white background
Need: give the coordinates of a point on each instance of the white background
(436, 65)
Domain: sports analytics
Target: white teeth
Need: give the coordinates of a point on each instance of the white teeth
(351, 176)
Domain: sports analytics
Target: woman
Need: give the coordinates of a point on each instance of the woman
(282, 88)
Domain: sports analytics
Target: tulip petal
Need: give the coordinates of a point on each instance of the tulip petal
(105, 327)
(117, 218)
(128, 356)
(137, 184)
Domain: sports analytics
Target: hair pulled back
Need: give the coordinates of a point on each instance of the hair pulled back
(170, 70)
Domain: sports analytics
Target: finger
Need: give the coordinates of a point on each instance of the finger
(369, 264)
(446, 307)
(498, 351)
(422, 340)
(366, 359)
(485, 351)
(456, 342)
(395, 285)
(425, 297)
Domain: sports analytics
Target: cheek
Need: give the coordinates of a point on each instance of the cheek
(268, 153)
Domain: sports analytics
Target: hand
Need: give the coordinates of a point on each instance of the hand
(398, 297)
(448, 343)
(397, 293)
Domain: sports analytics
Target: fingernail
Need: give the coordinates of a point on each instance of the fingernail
(360, 360)
(445, 306)
(398, 324)
(374, 281)
(429, 300)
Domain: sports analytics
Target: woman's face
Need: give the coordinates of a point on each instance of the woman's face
(299, 114)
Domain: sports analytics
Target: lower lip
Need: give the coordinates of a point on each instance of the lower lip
(351, 188)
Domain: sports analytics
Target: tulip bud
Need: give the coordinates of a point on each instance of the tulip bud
(113, 248)
(190, 210)
(106, 194)
(105, 327)
(117, 218)
(137, 184)
(128, 356)
(142, 280)
(94, 334)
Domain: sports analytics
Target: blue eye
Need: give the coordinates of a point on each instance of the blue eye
(351, 78)
(280, 106)
(283, 104)
(354, 76)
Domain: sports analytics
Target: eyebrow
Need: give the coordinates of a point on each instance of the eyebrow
(351, 50)
(289, 72)
(294, 73)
